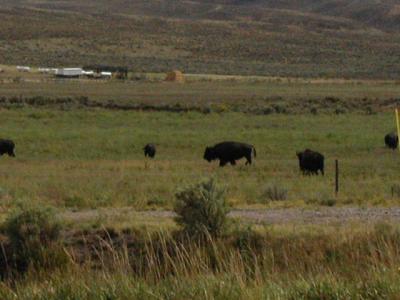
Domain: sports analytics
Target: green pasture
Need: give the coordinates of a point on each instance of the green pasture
(93, 158)
(201, 90)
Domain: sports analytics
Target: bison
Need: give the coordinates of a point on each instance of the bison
(149, 150)
(391, 140)
(7, 146)
(229, 152)
(311, 162)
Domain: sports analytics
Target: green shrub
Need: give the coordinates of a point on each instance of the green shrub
(340, 110)
(202, 208)
(268, 110)
(395, 190)
(75, 201)
(370, 110)
(34, 235)
(328, 201)
(246, 240)
(156, 201)
(274, 192)
(280, 108)
(323, 199)
(314, 110)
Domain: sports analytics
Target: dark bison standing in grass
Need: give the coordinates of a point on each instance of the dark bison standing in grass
(391, 140)
(149, 150)
(229, 152)
(7, 146)
(311, 162)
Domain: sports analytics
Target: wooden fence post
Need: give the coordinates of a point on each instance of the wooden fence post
(336, 177)
(398, 124)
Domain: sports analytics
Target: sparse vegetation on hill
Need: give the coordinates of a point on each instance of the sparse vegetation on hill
(307, 39)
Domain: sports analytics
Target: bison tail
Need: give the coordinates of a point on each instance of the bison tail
(254, 152)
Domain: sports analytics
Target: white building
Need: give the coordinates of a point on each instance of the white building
(23, 69)
(44, 70)
(106, 74)
(88, 73)
(69, 72)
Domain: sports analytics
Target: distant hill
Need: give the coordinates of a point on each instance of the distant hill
(305, 38)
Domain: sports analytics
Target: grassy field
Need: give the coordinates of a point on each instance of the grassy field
(92, 158)
(319, 74)
(356, 262)
(202, 93)
(75, 156)
(207, 93)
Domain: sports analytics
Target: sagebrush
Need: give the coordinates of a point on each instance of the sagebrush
(202, 209)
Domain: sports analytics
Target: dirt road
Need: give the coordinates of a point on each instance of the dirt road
(323, 215)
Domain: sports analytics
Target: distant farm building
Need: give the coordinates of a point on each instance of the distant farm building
(47, 70)
(106, 75)
(69, 72)
(44, 70)
(23, 69)
(175, 76)
(105, 71)
(88, 73)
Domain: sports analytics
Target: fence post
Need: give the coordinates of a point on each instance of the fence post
(398, 124)
(336, 177)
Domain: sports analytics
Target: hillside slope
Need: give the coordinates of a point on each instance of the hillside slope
(308, 38)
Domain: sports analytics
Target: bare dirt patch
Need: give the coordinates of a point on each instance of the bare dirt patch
(260, 216)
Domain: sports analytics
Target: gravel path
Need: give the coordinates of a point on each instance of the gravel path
(325, 215)
(320, 216)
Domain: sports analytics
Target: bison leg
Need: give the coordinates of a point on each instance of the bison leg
(222, 163)
(233, 162)
(248, 162)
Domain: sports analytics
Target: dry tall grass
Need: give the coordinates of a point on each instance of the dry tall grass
(335, 264)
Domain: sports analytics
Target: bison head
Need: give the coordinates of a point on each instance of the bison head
(300, 157)
(299, 154)
(209, 154)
